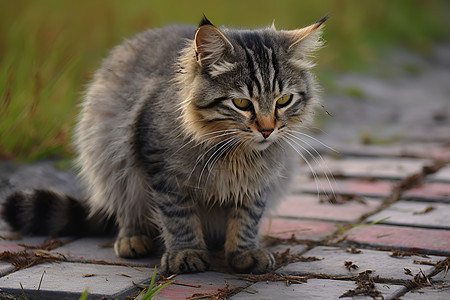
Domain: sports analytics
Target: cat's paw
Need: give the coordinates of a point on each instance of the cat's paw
(133, 246)
(256, 261)
(185, 261)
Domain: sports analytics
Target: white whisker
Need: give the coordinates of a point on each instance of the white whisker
(219, 155)
(316, 161)
(229, 132)
(314, 139)
(316, 179)
(226, 142)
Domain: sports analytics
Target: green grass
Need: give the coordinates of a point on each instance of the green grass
(146, 294)
(50, 48)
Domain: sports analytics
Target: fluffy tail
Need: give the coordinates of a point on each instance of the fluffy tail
(44, 212)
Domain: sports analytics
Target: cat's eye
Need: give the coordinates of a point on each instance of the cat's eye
(242, 104)
(284, 101)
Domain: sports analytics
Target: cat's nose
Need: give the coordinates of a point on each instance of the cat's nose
(265, 132)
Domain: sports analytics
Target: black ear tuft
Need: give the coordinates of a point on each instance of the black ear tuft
(322, 20)
(205, 21)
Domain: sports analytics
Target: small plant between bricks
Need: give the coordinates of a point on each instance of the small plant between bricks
(149, 293)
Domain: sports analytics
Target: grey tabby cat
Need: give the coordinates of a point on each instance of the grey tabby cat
(188, 134)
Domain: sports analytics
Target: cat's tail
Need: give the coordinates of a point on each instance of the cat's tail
(46, 212)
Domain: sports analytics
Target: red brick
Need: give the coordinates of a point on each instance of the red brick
(9, 246)
(432, 241)
(13, 245)
(308, 206)
(203, 283)
(303, 230)
(429, 191)
(174, 291)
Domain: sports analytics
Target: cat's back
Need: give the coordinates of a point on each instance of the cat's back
(151, 53)
(135, 73)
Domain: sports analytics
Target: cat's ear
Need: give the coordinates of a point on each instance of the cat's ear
(210, 44)
(305, 41)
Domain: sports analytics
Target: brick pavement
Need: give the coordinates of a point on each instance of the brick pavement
(324, 243)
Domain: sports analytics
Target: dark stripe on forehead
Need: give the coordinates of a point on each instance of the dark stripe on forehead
(252, 71)
(276, 70)
(247, 40)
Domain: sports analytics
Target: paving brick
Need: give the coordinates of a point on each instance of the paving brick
(429, 192)
(439, 289)
(100, 248)
(415, 214)
(302, 230)
(364, 187)
(15, 245)
(433, 241)
(383, 265)
(204, 283)
(307, 206)
(293, 249)
(443, 175)
(69, 280)
(382, 168)
(5, 268)
(313, 289)
(422, 150)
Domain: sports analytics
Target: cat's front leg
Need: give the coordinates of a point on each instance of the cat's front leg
(183, 237)
(241, 246)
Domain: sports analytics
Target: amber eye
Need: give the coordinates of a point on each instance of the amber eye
(242, 104)
(284, 101)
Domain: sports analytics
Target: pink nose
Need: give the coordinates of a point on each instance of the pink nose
(265, 132)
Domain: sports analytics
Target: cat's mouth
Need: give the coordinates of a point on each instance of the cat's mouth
(262, 144)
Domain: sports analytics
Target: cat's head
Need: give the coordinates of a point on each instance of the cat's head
(248, 87)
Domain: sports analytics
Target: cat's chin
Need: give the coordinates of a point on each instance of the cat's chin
(262, 145)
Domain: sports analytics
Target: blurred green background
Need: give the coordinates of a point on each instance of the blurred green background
(50, 49)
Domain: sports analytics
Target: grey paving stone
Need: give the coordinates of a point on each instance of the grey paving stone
(313, 289)
(293, 249)
(100, 248)
(69, 280)
(408, 149)
(187, 285)
(440, 289)
(383, 265)
(5, 268)
(415, 214)
(443, 175)
(382, 168)
(356, 186)
(41, 174)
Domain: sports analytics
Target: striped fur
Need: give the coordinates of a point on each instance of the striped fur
(163, 149)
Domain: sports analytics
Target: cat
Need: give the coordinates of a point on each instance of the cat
(187, 134)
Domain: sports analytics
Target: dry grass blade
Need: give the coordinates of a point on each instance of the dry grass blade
(365, 286)
(287, 257)
(47, 245)
(427, 263)
(400, 253)
(24, 259)
(426, 210)
(421, 280)
(223, 293)
(350, 265)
